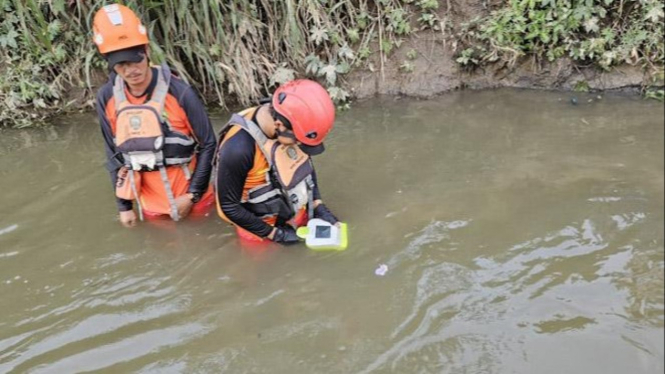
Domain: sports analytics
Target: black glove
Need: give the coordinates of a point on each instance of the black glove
(322, 212)
(285, 235)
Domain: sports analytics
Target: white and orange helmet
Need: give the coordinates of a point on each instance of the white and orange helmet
(116, 27)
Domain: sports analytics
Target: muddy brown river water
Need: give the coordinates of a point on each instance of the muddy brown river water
(521, 234)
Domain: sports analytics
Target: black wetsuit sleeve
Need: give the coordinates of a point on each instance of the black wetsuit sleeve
(236, 159)
(204, 135)
(113, 160)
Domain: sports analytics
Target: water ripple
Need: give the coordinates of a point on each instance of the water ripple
(9, 229)
(434, 232)
(126, 350)
(458, 310)
(93, 327)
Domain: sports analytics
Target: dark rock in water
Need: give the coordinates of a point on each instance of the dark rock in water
(573, 100)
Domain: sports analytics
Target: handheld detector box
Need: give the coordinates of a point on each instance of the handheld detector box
(320, 235)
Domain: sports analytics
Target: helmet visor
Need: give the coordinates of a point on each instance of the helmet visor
(312, 150)
(134, 54)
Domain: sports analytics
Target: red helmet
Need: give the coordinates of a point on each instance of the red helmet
(309, 109)
(116, 27)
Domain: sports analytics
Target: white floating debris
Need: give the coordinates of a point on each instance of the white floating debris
(381, 270)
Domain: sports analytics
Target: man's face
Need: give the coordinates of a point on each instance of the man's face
(283, 130)
(134, 73)
(284, 135)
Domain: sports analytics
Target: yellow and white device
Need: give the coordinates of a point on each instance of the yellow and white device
(321, 235)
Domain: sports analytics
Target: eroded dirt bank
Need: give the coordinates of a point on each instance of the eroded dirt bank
(425, 65)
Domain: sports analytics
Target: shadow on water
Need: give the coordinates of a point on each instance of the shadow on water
(519, 234)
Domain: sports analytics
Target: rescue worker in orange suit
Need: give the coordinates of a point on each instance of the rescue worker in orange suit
(158, 137)
(265, 181)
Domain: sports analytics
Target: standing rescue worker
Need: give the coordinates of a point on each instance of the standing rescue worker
(265, 180)
(158, 138)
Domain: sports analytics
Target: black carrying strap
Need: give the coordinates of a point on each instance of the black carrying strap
(276, 205)
(114, 163)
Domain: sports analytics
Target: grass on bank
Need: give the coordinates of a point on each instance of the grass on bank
(603, 33)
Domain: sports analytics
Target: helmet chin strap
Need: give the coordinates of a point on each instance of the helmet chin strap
(288, 134)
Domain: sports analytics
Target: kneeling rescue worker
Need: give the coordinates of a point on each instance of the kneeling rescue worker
(158, 138)
(265, 181)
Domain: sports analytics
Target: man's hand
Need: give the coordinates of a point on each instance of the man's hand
(184, 204)
(284, 235)
(128, 218)
(321, 211)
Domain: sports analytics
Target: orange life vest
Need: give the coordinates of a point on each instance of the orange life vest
(148, 142)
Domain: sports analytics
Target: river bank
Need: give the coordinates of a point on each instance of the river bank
(432, 79)
(235, 52)
(466, 49)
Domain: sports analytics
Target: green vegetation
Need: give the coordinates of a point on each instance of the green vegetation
(44, 52)
(601, 32)
(235, 51)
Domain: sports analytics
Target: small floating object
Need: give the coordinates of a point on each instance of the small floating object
(381, 270)
(321, 235)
